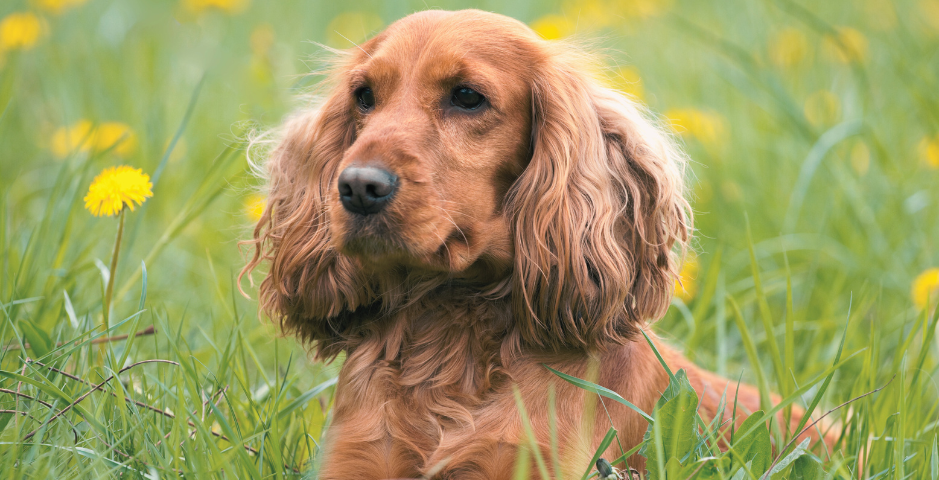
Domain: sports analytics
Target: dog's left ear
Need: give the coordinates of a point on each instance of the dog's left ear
(597, 213)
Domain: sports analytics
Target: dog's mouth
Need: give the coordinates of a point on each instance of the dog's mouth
(383, 239)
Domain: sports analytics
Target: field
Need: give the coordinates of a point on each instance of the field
(814, 130)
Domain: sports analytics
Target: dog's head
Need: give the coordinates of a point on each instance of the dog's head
(461, 146)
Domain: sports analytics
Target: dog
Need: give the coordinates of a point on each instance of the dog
(465, 207)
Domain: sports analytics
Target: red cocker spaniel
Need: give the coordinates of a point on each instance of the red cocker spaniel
(466, 205)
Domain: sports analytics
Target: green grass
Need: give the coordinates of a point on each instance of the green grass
(816, 207)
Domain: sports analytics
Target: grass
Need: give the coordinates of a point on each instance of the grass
(816, 138)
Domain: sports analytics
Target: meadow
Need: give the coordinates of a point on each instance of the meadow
(814, 130)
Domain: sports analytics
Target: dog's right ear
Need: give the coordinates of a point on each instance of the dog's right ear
(310, 289)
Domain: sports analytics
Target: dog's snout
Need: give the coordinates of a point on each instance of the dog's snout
(366, 190)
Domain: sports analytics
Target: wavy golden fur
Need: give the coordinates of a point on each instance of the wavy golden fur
(542, 227)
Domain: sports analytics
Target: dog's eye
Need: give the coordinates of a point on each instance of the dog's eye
(365, 98)
(467, 98)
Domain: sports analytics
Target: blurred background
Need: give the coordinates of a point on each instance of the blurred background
(814, 125)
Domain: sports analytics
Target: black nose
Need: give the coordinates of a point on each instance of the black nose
(366, 190)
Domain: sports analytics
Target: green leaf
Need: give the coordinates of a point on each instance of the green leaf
(306, 397)
(675, 415)
(754, 449)
(806, 467)
(934, 461)
(39, 341)
(780, 471)
(606, 392)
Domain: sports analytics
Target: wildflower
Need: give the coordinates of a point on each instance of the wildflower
(849, 45)
(627, 80)
(686, 286)
(83, 136)
(351, 28)
(20, 31)
(860, 158)
(604, 13)
(926, 287)
(116, 188)
(822, 108)
(255, 205)
(929, 151)
(930, 12)
(226, 6)
(881, 14)
(72, 138)
(58, 6)
(705, 126)
(115, 135)
(552, 27)
(790, 47)
(262, 39)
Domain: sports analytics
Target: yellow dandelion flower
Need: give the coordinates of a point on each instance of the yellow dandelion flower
(627, 79)
(848, 46)
(226, 6)
(822, 108)
(930, 11)
(83, 136)
(860, 158)
(788, 48)
(926, 287)
(20, 30)
(116, 188)
(552, 27)
(881, 14)
(255, 205)
(58, 6)
(115, 135)
(707, 127)
(929, 151)
(352, 28)
(72, 138)
(262, 39)
(686, 285)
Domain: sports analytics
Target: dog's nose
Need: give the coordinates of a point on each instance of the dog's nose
(366, 190)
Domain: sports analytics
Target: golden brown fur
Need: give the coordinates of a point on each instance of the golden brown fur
(540, 229)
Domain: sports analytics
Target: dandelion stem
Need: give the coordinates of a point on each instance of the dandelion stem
(113, 271)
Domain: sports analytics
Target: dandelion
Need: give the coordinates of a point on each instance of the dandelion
(57, 7)
(116, 188)
(860, 158)
(262, 39)
(847, 46)
(255, 205)
(552, 27)
(926, 287)
(82, 136)
(20, 31)
(627, 80)
(822, 108)
(686, 285)
(226, 6)
(111, 193)
(351, 28)
(115, 135)
(881, 14)
(705, 126)
(929, 151)
(75, 137)
(790, 47)
(930, 12)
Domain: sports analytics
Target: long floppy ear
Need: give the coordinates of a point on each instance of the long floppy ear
(597, 213)
(310, 288)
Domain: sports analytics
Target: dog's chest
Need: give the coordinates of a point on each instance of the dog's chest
(427, 399)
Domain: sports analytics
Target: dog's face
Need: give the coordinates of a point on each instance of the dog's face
(441, 109)
(461, 146)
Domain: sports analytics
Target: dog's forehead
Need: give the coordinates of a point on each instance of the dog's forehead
(437, 46)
